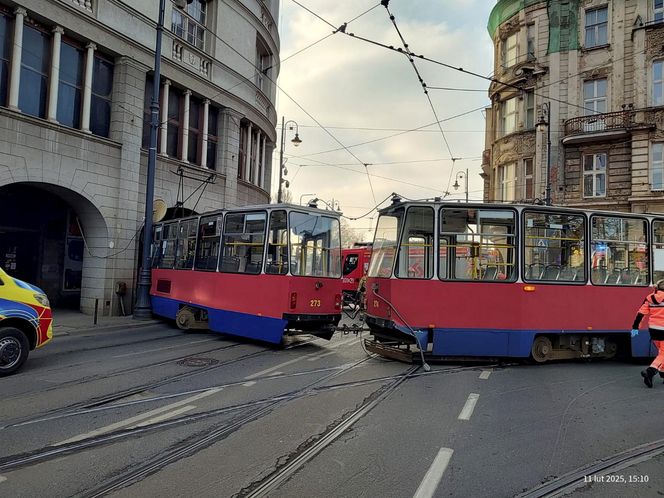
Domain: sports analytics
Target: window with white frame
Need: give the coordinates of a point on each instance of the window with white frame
(658, 10)
(594, 96)
(657, 83)
(189, 23)
(509, 115)
(510, 51)
(597, 21)
(506, 182)
(657, 166)
(594, 175)
(528, 186)
(530, 44)
(263, 65)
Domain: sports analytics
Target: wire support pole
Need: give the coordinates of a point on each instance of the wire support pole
(143, 308)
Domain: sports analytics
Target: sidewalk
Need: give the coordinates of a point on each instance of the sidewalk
(66, 322)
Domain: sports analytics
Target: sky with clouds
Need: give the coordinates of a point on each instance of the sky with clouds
(362, 93)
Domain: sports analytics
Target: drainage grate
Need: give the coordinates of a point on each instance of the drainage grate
(197, 362)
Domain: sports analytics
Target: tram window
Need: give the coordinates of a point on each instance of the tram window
(155, 253)
(658, 250)
(553, 247)
(477, 244)
(385, 244)
(209, 236)
(619, 251)
(243, 243)
(277, 244)
(415, 256)
(350, 264)
(166, 259)
(186, 244)
(315, 243)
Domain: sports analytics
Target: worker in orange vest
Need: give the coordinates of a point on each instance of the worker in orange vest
(653, 306)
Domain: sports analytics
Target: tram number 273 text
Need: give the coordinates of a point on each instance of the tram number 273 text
(314, 303)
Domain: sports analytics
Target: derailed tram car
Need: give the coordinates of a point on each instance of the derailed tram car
(258, 272)
(483, 280)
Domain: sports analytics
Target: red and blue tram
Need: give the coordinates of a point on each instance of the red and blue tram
(258, 272)
(483, 280)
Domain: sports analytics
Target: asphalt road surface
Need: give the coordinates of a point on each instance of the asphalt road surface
(158, 412)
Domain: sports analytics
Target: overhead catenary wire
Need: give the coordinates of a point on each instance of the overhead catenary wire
(450, 66)
(399, 133)
(409, 55)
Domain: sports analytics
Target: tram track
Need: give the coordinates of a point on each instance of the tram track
(576, 479)
(284, 472)
(247, 413)
(189, 418)
(117, 396)
(195, 445)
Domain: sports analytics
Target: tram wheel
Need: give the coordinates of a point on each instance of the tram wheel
(542, 350)
(185, 319)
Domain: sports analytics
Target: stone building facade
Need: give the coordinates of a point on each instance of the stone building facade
(75, 90)
(591, 72)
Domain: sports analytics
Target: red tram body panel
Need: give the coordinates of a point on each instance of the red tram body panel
(513, 281)
(293, 287)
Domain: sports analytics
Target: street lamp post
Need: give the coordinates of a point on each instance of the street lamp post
(545, 121)
(296, 141)
(463, 175)
(143, 308)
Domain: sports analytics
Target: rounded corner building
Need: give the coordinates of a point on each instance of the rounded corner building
(75, 90)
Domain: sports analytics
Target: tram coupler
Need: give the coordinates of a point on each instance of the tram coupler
(353, 329)
(388, 351)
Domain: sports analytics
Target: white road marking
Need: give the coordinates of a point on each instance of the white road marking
(138, 418)
(162, 349)
(485, 374)
(249, 384)
(165, 416)
(468, 408)
(433, 476)
(318, 357)
(295, 360)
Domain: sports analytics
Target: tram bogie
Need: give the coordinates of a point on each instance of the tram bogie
(481, 280)
(259, 272)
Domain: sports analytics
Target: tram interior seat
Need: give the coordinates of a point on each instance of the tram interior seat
(490, 273)
(551, 272)
(599, 275)
(253, 267)
(534, 271)
(613, 277)
(568, 274)
(274, 268)
(629, 276)
(230, 264)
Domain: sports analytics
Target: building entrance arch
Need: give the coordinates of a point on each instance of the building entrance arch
(56, 239)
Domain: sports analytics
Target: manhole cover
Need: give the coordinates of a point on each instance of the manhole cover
(197, 362)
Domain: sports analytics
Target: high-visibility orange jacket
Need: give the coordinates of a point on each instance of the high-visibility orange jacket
(653, 306)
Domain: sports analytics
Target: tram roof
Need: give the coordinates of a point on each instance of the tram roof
(502, 205)
(260, 207)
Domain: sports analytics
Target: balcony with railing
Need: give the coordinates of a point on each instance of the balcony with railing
(598, 127)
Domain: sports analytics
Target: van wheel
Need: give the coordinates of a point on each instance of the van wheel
(14, 349)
